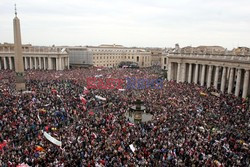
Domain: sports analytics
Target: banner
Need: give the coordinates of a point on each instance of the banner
(52, 139)
(203, 94)
(39, 118)
(215, 94)
(132, 147)
(22, 165)
(101, 98)
(121, 89)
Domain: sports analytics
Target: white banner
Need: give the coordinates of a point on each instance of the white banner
(101, 98)
(121, 89)
(132, 147)
(98, 76)
(39, 118)
(52, 139)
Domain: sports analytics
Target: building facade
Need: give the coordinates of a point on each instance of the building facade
(47, 58)
(80, 56)
(156, 55)
(228, 72)
(112, 55)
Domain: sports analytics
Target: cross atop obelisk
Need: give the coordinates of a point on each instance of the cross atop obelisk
(19, 68)
(15, 11)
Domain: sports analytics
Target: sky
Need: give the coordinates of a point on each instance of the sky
(140, 23)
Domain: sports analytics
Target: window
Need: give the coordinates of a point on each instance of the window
(137, 59)
(165, 60)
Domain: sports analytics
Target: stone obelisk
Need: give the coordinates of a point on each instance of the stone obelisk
(19, 67)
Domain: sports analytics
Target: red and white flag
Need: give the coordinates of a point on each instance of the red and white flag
(131, 124)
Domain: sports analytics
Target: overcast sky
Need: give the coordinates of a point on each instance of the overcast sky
(151, 23)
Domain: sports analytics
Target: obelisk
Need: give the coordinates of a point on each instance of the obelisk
(19, 67)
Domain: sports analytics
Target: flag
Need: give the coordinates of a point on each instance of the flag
(94, 135)
(91, 113)
(39, 118)
(52, 139)
(22, 165)
(42, 110)
(203, 94)
(53, 91)
(84, 101)
(3, 144)
(132, 147)
(104, 131)
(131, 124)
(39, 148)
(85, 91)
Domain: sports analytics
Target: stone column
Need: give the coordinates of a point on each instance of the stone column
(203, 75)
(35, 59)
(44, 63)
(223, 80)
(178, 72)
(196, 73)
(10, 63)
(5, 63)
(183, 73)
(49, 63)
(246, 83)
(31, 63)
(40, 63)
(216, 77)
(60, 63)
(65, 63)
(25, 63)
(190, 73)
(68, 62)
(230, 82)
(209, 77)
(57, 64)
(169, 71)
(237, 89)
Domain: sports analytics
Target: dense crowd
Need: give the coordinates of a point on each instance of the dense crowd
(191, 126)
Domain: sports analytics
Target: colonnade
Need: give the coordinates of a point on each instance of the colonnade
(31, 62)
(229, 79)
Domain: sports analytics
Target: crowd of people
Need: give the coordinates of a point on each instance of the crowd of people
(191, 125)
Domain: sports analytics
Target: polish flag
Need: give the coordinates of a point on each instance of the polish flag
(104, 131)
(53, 91)
(23, 165)
(3, 144)
(84, 101)
(131, 124)
(86, 91)
(94, 135)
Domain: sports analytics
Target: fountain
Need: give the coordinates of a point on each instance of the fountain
(137, 113)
